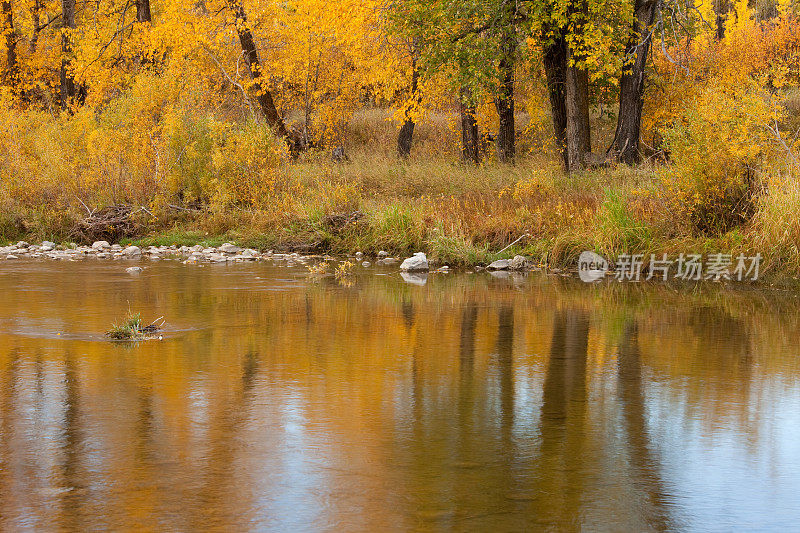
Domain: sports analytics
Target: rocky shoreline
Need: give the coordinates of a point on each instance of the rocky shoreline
(413, 269)
(227, 252)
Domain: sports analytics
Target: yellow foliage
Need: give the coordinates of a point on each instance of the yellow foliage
(145, 149)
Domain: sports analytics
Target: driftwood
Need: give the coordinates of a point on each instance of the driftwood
(110, 223)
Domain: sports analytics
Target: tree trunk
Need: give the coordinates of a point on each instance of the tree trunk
(406, 134)
(506, 140)
(37, 25)
(11, 45)
(143, 11)
(555, 69)
(262, 93)
(69, 89)
(625, 146)
(577, 102)
(470, 148)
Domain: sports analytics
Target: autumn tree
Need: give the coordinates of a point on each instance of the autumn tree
(251, 60)
(504, 100)
(579, 143)
(474, 47)
(625, 146)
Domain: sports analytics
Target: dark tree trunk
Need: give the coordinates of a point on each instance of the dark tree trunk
(577, 102)
(625, 146)
(262, 93)
(470, 147)
(11, 45)
(504, 101)
(406, 135)
(578, 129)
(143, 11)
(555, 69)
(69, 89)
(37, 25)
(506, 138)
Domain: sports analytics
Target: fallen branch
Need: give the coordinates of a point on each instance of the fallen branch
(513, 243)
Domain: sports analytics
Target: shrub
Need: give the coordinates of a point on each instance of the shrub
(718, 148)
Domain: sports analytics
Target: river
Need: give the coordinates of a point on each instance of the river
(277, 401)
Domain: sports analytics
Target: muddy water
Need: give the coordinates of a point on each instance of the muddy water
(279, 403)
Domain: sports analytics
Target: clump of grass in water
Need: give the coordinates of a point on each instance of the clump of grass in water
(132, 329)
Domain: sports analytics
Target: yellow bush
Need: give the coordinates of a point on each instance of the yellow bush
(718, 149)
(145, 148)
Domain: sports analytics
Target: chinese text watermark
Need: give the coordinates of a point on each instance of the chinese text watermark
(686, 267)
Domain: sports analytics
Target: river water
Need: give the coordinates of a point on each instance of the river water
(276, 402)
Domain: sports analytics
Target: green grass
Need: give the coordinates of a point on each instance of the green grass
(132, 329)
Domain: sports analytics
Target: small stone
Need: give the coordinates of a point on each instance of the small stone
(519, 263)
(383, 254)
(359, 255)
(390, 261)
(229, 248)
(134, 270)
(500, 264)
(132, 251)
(100, 245)
(48, 246)
(10, 257)
(22, 244)
(416, 263)
(366, 264)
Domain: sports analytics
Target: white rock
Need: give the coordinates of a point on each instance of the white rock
(416, 263)
(11, 256)
(48, 246)
(22, 244)
(134, 270)
(383, 254)
(132, 251)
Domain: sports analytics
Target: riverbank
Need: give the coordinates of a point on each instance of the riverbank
(459, 216)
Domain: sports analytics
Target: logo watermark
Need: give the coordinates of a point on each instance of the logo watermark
(686, 267)
(592, 267)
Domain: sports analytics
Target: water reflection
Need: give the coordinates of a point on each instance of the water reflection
(471, 403)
